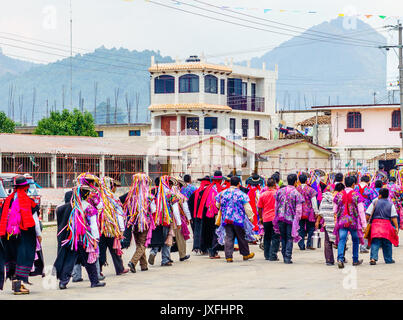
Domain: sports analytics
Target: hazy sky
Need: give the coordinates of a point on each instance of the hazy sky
(139, 24)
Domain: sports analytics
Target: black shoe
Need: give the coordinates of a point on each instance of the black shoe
(329, 264)
(372, 262)
(101, 277)
(393, 261)
(302, 249)
(145, 269)
(62, 286)
(170, 260)
(132, 267)
(184, 258)
(287, 261)
(357, 263)
(168, 264)
(274, 259)
(99, 284)
(340, 264)
(78, 280)
(311, 248)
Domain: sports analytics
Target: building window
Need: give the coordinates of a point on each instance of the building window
(245, 127)
(222, 86)
(100, 133)
(396, 119)
(164, 84)
(253, 90)
(354, 121)
(234, 87)
(134, 133)
(192, 125)
(244, 89)
(189, 83)
(257, 128)
(232, 125)
(210, 125)
(210, 84)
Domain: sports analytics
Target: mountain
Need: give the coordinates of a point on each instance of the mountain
(111, 69)
(13, 66)
(349, 74)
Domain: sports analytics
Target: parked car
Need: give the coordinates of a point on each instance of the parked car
(6, 182)
(3, 192)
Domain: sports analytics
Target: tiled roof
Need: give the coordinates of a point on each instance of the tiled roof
(188, 66)
(312, 121)
(389, 156)
(189, 106)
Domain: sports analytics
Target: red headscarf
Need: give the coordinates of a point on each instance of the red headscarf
(198, 210)
(252, 202)
(26, 205)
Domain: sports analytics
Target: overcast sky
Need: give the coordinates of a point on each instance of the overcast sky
(139, 24)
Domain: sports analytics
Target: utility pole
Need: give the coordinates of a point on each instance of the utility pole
(33, 106)
(71, 56)
(399, 28)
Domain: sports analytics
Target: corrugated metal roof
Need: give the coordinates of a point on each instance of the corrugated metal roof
(263, 146)
(134, 146)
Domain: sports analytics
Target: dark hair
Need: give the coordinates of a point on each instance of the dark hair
(338, 177)
(271, 182)
(365, 179)
(384, 193)
(291, 179)
(303, 178)
(355, 179)
(339, 187)
(381, 167)
(392, 179)
(349, 181)
(235, 181)
(276, 177)
(157, 181)
(67, 196)
(378, 184)
(187, 178)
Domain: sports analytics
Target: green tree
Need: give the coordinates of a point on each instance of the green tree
(6, 124)
(67, 123)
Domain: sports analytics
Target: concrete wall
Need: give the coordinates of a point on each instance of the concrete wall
(375, 122)
(122, 131)
(290, 159)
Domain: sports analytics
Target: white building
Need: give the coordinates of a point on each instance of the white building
(199, 98)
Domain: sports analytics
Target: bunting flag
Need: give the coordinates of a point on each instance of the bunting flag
(282, 11)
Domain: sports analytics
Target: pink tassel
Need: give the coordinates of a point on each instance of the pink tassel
(117, 246)
(92, 258)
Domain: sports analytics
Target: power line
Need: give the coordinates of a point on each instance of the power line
(280, 46)
(78, 48)
(64, 56)
(255, 28)
(63, 50)
(59, 63)
(279, 23)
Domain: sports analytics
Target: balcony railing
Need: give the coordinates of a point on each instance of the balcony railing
(246, 103)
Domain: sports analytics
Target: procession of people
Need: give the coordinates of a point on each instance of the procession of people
(220, 212)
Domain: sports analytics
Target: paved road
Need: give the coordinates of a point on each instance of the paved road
(202, 278)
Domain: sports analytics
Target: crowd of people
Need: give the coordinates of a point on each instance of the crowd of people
(223, 214)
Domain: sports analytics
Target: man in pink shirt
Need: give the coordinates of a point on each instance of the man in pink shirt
(266, 211)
